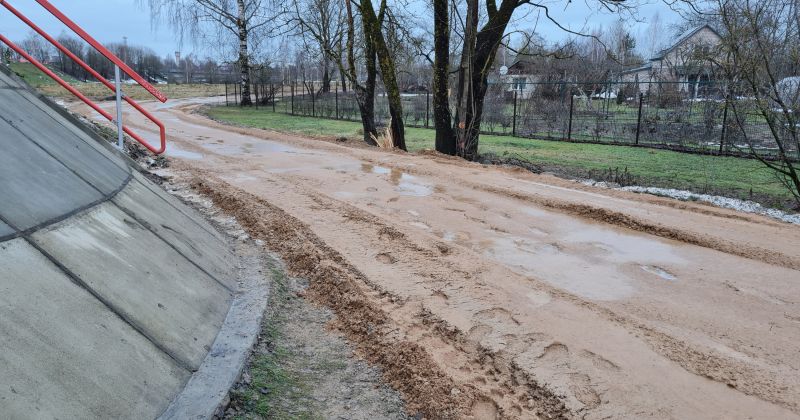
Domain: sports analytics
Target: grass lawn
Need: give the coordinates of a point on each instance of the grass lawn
(96, 90)
(730, 176)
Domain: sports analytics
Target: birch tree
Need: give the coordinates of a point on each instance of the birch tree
(243, 20)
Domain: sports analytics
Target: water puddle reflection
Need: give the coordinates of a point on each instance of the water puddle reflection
(406, 184)
(175, 152)
(660, 272)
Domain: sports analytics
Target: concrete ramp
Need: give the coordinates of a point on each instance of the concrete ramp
(111, 291)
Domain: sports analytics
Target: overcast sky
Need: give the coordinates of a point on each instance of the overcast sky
(111, 20)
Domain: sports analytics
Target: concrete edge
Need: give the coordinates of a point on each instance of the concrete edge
(209, 386)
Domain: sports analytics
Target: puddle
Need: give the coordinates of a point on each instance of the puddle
(574, 272)
(420, 225)
(623, 248)
(660, 272)
(538, 298)
(367, 168)
(408, 185)
(226, 149)
(448, 236)
(175, 152)
(168, 105)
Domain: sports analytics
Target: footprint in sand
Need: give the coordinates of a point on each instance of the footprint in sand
(386, 258)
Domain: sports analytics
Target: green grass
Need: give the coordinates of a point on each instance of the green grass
(95, 90)
(731, 176)
(275, 391)
(35, 77)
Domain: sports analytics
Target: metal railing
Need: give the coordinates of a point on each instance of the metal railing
(115, 87)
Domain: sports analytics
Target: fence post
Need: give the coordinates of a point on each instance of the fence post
(226, 93)
(292, 90)
(255, 87)
(313, 93)
(571, 107)
(336, 97)
(514, 118)
(427, 106)
(724, 125)
(639, 118)
(272, 91)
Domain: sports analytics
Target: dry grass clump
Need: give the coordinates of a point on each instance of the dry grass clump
(385, 140)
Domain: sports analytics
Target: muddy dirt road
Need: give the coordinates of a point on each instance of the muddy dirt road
(492, 292)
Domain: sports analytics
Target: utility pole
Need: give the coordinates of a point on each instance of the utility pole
(125, 50)
(178, 61)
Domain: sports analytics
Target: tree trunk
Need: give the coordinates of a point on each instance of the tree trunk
(442, 119)
(479, 51)
(326, 76)
(343, 78)
(244, 57)
(365, 95)
(465, 105)
(372, 26)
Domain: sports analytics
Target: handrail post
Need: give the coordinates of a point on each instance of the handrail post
(120, 132)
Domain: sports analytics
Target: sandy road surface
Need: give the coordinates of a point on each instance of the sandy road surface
(486, 291)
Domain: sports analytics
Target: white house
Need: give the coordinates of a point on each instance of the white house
(522, 77)
(686, 63)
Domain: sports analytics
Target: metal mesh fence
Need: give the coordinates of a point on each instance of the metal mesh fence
(673, 115)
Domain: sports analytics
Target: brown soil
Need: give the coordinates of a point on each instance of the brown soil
(341, 287)
(494, 292)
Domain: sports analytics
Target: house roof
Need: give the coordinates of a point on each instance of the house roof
(681, 39)
(520, 66)
(647, 66)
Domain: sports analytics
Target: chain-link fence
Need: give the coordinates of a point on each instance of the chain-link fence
(689, 117)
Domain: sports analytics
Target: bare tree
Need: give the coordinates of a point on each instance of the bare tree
(655, 35)
(759, 52)
(75, 46)
(484, 29)
(247, 20)
(37, 47)
(373, 24)
(324, 22)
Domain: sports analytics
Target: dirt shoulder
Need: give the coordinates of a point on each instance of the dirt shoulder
(299, 367)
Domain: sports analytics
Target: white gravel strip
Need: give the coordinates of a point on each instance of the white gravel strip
(724, 202)
(719, 201)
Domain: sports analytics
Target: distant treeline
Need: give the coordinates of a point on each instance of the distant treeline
(142, 59)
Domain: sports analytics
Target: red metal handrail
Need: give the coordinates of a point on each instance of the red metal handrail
(113, 58)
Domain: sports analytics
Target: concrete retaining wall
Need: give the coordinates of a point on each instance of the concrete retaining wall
(111, 292)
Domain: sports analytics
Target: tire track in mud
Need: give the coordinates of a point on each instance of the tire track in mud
(588, 212)
(712, 365)
(615, 218)
(499, 366)
(335, 283)
(620, 219)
